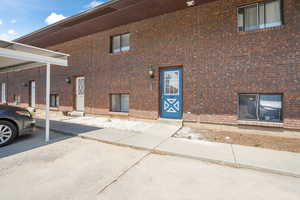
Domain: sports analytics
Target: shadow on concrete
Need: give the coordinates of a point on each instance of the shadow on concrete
(66, 127)
(37, 138)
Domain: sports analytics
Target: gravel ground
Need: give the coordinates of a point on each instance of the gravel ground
(254, 140)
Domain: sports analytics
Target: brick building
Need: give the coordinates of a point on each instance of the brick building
(225, 61)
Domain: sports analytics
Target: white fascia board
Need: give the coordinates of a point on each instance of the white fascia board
(19, 55)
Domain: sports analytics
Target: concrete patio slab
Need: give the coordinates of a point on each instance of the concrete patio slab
(158, 138)
(282, 162)
(109, 134)
(151, 137)
(142, 141)
(202, 150)
(173, 178)
(71, 168)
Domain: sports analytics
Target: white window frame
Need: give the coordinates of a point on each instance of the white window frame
(258, 17)
(121, 48)
(257, 99)
(171, 80)
(120, 102)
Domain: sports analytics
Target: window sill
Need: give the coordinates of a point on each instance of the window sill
(261, 123)
(119, 113)
(119, 53)
(54, 108)
(262, 30)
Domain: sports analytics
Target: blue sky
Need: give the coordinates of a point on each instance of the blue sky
(20, 17)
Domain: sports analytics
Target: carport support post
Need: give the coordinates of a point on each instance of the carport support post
(47, 102)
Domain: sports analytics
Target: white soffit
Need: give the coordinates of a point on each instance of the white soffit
(15, 57)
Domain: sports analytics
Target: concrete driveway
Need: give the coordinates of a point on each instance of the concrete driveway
(76, 168)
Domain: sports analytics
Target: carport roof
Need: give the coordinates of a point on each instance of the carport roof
(15, 57)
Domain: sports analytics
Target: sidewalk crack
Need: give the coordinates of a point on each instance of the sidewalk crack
(123, 173)
(233, 153)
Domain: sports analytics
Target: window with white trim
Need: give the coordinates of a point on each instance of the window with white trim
(17, 99)
(260, 15)
(119, 102)
(120, 43)
(54, 100)
(260, 107)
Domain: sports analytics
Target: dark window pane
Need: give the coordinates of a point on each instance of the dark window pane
(241, 19)
(54, 100)
(116, 44)
(125, 42)
(270, 107)
(17, 99)
(115, 103)
(247, 107)
(124, 103)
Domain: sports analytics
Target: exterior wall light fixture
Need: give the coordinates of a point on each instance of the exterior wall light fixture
(68, 80)
(151, 72)
(190, 3)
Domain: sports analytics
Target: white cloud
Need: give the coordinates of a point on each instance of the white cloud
(12, 32)
(53, 17)
(13, 21)
(94, 4)
(1, 22)
(7, 37)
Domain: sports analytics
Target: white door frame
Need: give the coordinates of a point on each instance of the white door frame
(32, 93)
(79, 93)
(3, 92)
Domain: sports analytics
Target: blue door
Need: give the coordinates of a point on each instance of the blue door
(171, 93)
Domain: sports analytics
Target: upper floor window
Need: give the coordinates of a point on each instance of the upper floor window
(120, 43)
(260, 15)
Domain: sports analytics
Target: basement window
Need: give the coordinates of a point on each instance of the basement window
(17, 99)
(119, 103)
(260, 15)
(120, 43)
(54, 100)
(260, 107)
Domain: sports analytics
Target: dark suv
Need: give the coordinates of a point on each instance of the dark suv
(14, 121)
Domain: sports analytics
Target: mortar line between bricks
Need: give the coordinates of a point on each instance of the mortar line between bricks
(123, 173)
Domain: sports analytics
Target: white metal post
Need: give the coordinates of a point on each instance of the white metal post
(47, 102)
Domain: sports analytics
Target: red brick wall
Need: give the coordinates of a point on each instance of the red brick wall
(218, 63)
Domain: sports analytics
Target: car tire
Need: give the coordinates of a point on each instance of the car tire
(8, 132)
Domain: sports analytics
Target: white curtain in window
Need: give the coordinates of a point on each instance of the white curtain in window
(262, 15)
(273, 15)
(251, 21)
(124, 102)
(116, 44)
